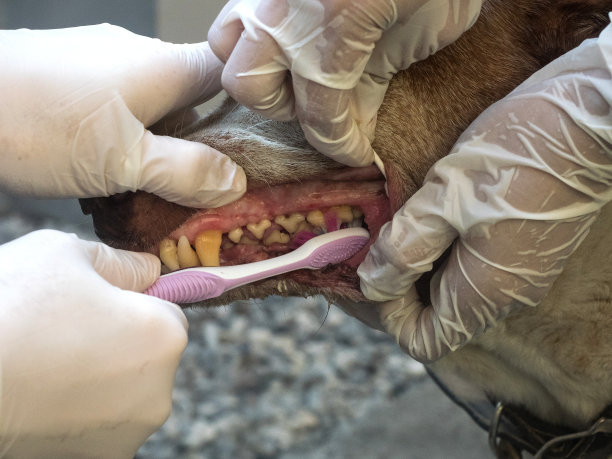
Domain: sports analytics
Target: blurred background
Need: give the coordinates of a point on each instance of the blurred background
(286, 378)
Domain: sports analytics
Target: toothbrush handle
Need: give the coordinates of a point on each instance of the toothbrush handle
(198, 284)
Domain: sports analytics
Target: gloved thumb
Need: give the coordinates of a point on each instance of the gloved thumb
(189, 173)
(126, 270)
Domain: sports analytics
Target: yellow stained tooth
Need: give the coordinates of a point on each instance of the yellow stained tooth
(357, 213)
(304, 226)
(290, 223)
(258, 229)
(316, 218)
(187, 257)
(244, 240)
(344, 213)
(207, 245)
(168, 255)
(276, 237)
(235, 235)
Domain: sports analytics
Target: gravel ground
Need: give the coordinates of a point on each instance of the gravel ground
(287, 378)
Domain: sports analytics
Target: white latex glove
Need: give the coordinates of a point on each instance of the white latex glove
(87, 365)
(340, 57)
(516, 198)
(75, 104)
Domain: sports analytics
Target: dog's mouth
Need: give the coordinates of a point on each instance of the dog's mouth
(269, 221)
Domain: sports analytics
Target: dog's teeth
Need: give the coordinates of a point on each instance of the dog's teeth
(244, 240)
(290, 223)
(344, 213)
(187, 257)
(357, 223)
(304, 226)
(258, 229)
(357, 212)
(316, 218)
(276, 237)
(168, 254)
(235, 235)
(207, 245)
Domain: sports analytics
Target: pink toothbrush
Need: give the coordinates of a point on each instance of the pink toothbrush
(197, 284)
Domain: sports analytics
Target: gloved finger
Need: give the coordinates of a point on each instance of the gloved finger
(367, 98)
(408, 245)
(132, 273)
(328, 124)
(256, 76)
(179, 75)
(188, 173)
(225, 32)
(121, 268)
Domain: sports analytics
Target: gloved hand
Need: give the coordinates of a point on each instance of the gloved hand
(516, 197)
(87, 365)
(75, 104)
(340, 55)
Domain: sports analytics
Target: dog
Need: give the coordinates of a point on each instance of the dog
(542, 374)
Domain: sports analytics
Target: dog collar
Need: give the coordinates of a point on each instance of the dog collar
(512, 429)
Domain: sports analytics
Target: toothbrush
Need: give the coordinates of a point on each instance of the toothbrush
(196, 284)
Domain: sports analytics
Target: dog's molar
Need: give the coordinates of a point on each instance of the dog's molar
(277, 237)
(258, 229)
(235, 235)
(344, 213)
(290, 223)
(244, 240)
(316, 218)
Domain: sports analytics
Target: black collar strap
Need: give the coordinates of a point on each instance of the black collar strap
(513, 430)
(545, 440)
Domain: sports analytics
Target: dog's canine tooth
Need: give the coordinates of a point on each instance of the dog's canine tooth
(168, 254)
(316, 218)
(258, 229)
(344, 213)
(207, 245)
(276, 237)
(291, 222)
(235, 235)
(186, 255)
